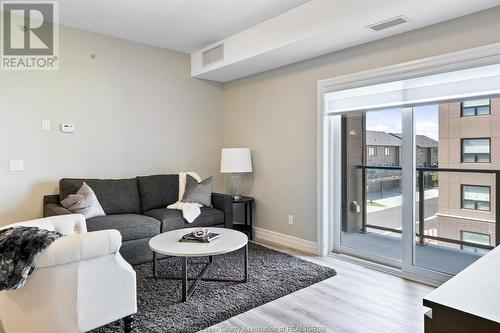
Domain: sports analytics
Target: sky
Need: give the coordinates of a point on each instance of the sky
(426, 118)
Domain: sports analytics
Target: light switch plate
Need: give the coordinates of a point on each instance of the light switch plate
(16, 165)
(68, 128)
(45, 125)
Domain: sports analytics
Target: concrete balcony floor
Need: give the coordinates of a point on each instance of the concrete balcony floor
(434, 257)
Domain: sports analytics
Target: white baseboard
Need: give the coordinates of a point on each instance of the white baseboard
(268, 236)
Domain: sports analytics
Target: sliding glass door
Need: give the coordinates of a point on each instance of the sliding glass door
(415, 185)
(371, 188)
(455, 218)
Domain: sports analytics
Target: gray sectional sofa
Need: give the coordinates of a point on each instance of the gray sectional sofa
(136, 207)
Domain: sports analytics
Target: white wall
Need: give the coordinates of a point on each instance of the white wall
(136, 111)
(274, 113)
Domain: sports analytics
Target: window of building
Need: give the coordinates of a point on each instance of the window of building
(421, 151)
(387, 151)
(478, 107)
(476, 197)
(476, 150)
(372, 151)
(474, 237)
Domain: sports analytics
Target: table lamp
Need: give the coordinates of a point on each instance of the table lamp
(236, 161)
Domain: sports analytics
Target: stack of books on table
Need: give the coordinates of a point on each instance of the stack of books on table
(193, 238)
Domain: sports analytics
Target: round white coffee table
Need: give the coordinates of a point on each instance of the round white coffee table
(168, 244)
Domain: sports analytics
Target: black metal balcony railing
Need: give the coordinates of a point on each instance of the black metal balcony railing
(421, 204)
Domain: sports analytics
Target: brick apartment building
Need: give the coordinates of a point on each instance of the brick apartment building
(469, 138)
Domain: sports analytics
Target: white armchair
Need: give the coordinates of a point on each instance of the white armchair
(80, 282)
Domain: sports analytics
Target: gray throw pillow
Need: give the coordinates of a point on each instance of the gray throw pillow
(198, 192)
(84, 202)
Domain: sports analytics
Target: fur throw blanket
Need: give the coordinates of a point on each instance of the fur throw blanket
(20, 247)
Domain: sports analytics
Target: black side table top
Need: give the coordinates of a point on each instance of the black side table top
(244, 199)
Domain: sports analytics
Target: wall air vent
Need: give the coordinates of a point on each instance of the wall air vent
(213, 55)
(388, 23)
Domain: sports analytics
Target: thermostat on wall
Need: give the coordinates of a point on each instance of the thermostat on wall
(68, 128)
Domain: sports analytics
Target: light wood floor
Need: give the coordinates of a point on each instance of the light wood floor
(357, 300)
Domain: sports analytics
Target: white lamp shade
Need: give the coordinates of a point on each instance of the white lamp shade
(236, 160)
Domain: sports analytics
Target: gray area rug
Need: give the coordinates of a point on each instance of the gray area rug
(272, 274)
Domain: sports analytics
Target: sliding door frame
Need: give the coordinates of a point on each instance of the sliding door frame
(328, 151)
(337, 207)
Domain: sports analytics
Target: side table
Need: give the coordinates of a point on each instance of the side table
(246, 228)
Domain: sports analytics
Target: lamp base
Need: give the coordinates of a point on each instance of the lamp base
(236, 186)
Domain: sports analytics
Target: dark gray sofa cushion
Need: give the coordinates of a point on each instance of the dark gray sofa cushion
(158, 191)
(136, 251)
(131, 226)
(172, 219)
(116, 196)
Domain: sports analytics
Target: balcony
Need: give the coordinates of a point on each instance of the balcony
(380, 229)
(434, 257)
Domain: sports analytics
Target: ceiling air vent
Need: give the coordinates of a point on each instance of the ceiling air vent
(389, 23)
(213, 55)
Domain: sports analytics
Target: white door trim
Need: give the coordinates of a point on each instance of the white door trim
(469, 58)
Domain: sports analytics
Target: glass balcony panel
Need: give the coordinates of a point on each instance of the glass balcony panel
(477, 238)
(372, 199)
(457, 207)
(443, 243)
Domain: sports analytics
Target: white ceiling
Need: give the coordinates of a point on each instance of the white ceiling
(325, 26)
(258, 35)
(182, 25)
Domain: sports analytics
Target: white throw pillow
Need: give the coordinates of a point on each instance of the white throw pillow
(84, 202)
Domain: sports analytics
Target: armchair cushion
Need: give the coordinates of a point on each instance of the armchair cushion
(131, 226)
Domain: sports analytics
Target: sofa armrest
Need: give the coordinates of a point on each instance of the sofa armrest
(51, 198)
(53, 209)
(224, 202)
(52, 206)
(79, 247)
